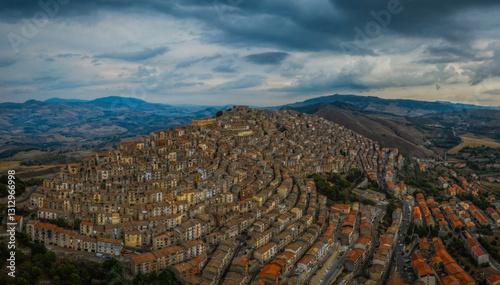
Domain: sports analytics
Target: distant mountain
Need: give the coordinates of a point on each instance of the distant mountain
(400, 107)
(61, 122)
(389, 130)
(406, 124)
(59, 100)
(116, 100)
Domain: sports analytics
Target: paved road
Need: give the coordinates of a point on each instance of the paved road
(26, 195)
(398, 255)
(363, 183)
(494, 263)
(379, 213)
(334, 269)
(240, 240)
(318, 272)
(403, 230)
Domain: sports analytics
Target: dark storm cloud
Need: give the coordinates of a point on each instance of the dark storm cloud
(197, 60)
(291, 25)
(224, 69)
(66, 55)
(272, 58)
(423, 18)
(66, 84)
(427, 33)
(146, 53)
(4, 62)
(448, 54)
(16, 9)
(186, 84)
(247, 81)
(47, 78)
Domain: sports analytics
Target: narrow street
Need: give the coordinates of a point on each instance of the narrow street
(398, 254)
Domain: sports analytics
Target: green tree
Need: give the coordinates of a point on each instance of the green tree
(20, 258)
(36, 272)
(109, 263)
(408, 240)
(38, 248)
(60, 222)
(22, 281)
(77, 224)
(75, 279)
(22, 238)
(3, 190)
(50, 256)
(4, 251)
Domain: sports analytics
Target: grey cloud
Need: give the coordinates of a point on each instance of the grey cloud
(223, 69)
(4, 62)
(187, 84)
(66, 84)
(447, 54)
(288, 24)
(247, 81)
(479, 71)
(493, 92)
(267, 57)
(197, 60)
(64, 55)
(446, 31)
(146, 53)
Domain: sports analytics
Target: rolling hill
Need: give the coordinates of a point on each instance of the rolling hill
(417, 128)
(400, 107)
(389, 131)
(65, 123)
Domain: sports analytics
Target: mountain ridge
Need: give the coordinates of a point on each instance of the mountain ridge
(389, 131)
(401, 107)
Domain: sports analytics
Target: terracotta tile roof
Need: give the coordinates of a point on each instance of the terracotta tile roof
(270, 269)
(143, 258)
(45, 226)
(493, 278)
(355, 254)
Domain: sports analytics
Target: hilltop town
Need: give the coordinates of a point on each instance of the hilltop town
(231, 200)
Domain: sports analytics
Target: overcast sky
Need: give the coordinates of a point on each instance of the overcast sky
(250, 51)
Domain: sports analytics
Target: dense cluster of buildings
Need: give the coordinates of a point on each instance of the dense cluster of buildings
(450, 215)
(458, 185)
(219, 198)
(227, 199)
(441, 268)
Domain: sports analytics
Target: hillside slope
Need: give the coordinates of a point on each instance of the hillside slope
(389, 131)
(400, 107)
(63, 122)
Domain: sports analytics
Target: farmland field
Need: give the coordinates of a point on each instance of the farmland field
(473, 141)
